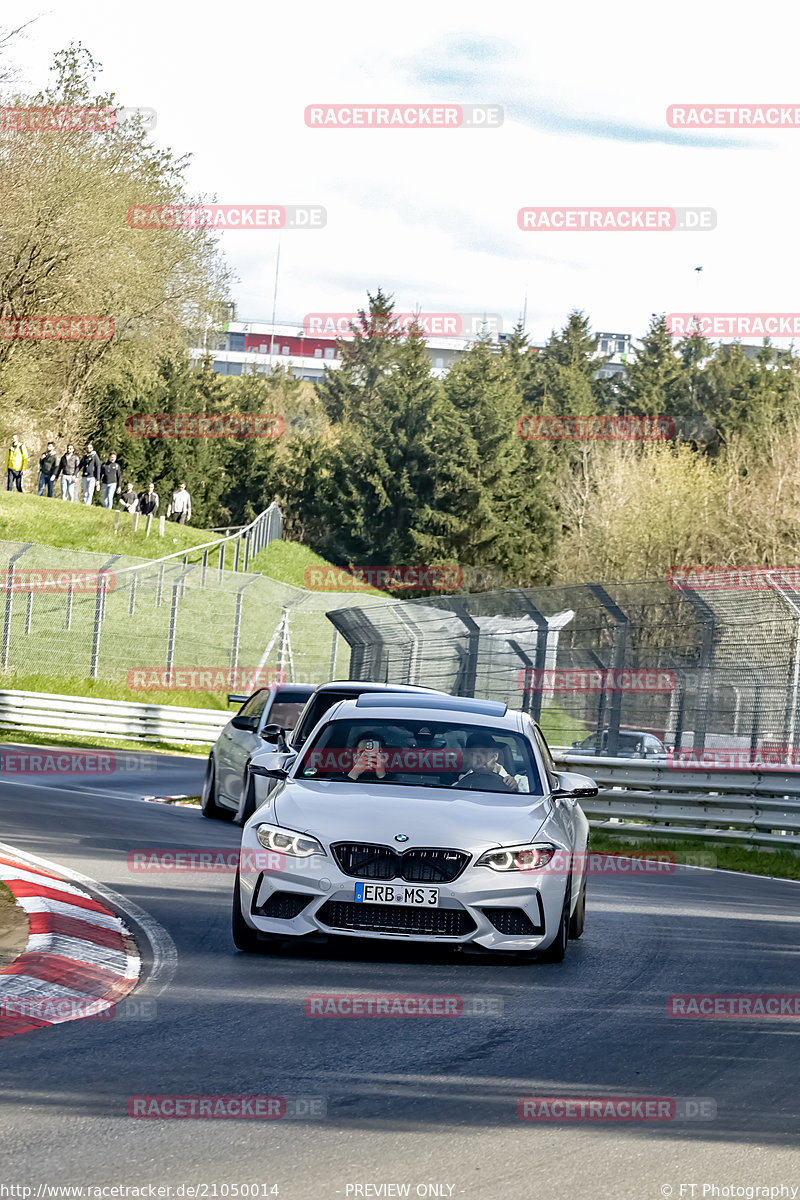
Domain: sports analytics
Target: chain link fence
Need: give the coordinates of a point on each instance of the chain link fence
(696, 667)
(195, 621)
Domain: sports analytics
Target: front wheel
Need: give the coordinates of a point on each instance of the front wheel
(578, 918)
(245, 937)
(208, 805)
(248, 804)
(557, 949)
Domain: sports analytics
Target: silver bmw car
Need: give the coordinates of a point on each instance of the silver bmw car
(419, 817)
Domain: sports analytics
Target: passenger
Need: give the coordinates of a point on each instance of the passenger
(369, 757)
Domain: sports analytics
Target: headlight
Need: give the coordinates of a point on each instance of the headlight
(519, 858)
(297, 845)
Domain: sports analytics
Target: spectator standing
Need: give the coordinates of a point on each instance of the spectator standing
(181, 507)
(16, 462)
(90, 473)
(67, 470)
(128, 500)
(110, 480)
(148, 501)
(48, 464)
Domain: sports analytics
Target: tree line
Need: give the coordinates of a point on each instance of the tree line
(380, 463)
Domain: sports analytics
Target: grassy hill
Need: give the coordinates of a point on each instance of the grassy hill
(26, 518)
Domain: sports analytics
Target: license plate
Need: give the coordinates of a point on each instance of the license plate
(397, 893)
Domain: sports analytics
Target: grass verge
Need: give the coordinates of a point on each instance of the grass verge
(25, 518)
(104, 689)
(76, 742)
(13, 927)
(782, 864)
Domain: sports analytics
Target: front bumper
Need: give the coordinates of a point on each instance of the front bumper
(498, 911)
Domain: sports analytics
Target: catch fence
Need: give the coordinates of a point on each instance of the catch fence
(694, 666)
(193, 621)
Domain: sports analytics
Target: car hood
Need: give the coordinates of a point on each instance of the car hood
(442, 817)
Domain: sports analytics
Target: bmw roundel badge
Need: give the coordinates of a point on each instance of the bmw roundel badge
(401, 837)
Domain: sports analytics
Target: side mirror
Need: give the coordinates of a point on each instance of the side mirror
(275, 736)
(574, 787)
(249, 723)
(269, 772)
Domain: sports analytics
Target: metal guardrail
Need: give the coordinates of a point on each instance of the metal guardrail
(42, 712)
(642, 798)
(637, 798)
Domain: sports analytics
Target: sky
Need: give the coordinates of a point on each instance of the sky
(430, 215)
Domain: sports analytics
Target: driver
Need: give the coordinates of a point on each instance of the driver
(482, 757)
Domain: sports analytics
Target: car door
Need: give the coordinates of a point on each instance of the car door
(238, 741)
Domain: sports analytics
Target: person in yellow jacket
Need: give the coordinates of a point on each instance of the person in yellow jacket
(16, 462)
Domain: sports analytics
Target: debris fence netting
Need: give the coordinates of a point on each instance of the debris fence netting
(697, 667)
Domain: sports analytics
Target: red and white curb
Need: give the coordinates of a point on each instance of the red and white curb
(78, 952)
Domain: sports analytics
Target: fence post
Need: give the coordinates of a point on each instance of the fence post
(69, 605)
(205, 565)
(99, 614)
(237, 625)
(149, 523)
(136, 516)
(98, 621)
(236, 555)
(161, 521)
(222, 557)
(334, 643)
(160, 587)
(7, 618)
(132, 602)
(9, 602)
(247, 550)
(117, 515)
(28, 612)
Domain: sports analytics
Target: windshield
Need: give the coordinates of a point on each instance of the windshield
(421, 754)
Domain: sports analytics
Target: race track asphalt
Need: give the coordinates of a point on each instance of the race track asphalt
(409, 1101)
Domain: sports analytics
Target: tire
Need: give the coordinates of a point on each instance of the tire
(209, 807)
(578, 918)
(245, 938)
(557, 949)
(248, 804)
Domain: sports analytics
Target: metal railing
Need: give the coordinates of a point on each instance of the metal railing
(42, 712)
(759, 808)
